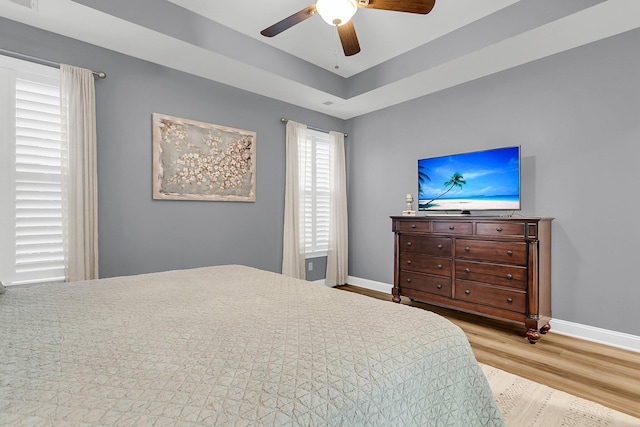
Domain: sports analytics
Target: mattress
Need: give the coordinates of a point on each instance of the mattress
(230, 346)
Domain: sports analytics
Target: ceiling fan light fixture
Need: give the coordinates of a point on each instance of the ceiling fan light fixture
(336, 12)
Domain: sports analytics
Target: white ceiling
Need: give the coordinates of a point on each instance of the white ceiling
(404, 56)
(383, 34)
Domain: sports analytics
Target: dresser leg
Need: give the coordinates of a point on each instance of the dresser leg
(395, 291)
(533, 335)
(545, 329)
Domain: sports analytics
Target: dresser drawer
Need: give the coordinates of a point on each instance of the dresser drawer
(425, 263)
(511, 229)
(490, 296)
(417, 226)
(493, 274)
(437, 285)
(493, 251)
(451, 227)
(436, 246)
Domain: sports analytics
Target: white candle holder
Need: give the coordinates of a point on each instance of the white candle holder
(409, 211)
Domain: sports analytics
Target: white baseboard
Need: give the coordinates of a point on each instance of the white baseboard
(370, 284)
(599, 335)
(558, 326)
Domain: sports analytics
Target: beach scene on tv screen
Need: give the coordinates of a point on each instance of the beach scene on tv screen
(483, 180)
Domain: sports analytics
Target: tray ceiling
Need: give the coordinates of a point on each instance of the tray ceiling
(404, 56)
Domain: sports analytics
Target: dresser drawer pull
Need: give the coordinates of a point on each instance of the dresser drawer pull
(509, 276)
(439, 286)
(498, 229)
(467, 270)
(509, 300)
(509, 252)
(467, 291)
(467, 248)
(413, 226)
(409, 280)
(409, 243)
(408, 261)
(439, 246)
(440, 266)
(452, 227)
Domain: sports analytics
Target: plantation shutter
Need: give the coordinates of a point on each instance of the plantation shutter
(39, 249)
(34, 239)
(322, 192)
(316, 153)
(305, 153)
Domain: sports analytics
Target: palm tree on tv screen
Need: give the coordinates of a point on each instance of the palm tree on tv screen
(423, 177)
(457, 180)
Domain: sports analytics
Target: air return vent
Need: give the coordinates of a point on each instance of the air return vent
(31, 4)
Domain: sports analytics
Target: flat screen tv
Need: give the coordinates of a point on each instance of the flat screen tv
(475, 181)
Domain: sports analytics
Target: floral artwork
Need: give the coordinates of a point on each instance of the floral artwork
(200, 161)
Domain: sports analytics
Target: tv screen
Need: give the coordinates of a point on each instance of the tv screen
(475, 181)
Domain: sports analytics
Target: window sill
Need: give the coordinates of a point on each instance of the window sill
(317, 254)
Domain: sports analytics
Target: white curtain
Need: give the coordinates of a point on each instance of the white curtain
(79, 173)
(293, 252)
(337, 255)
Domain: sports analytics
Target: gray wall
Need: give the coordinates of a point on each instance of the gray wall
(138, 234)
(316, 268)
(576, 116)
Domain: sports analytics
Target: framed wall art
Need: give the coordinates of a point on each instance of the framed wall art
(201, 161)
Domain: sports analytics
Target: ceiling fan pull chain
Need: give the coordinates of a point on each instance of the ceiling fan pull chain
(335, 52)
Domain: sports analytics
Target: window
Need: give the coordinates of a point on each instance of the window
(31, 247)
(316, 155)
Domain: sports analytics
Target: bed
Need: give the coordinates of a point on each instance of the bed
(231, 346)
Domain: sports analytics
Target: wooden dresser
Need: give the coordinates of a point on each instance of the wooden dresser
(498, 267)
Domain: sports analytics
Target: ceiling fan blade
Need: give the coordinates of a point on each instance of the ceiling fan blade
(349, 39)
(411, 6)
(289, 22)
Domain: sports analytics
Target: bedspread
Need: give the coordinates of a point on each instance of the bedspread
(230, 345)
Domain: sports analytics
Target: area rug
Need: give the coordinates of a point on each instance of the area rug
(525, 403)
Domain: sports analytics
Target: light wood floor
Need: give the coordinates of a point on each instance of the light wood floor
(596, 372)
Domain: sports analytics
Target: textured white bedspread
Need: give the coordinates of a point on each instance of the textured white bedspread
(230, 346)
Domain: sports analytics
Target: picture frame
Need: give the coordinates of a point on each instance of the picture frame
(194, 160)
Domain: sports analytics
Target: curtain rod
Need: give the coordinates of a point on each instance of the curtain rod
(285, 120)
(17, 55)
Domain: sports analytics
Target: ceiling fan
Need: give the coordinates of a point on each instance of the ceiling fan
(339, 13)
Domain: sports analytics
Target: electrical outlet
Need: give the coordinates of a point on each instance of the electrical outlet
(310, 266)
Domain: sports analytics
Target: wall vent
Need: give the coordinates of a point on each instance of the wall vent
(31, 4)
